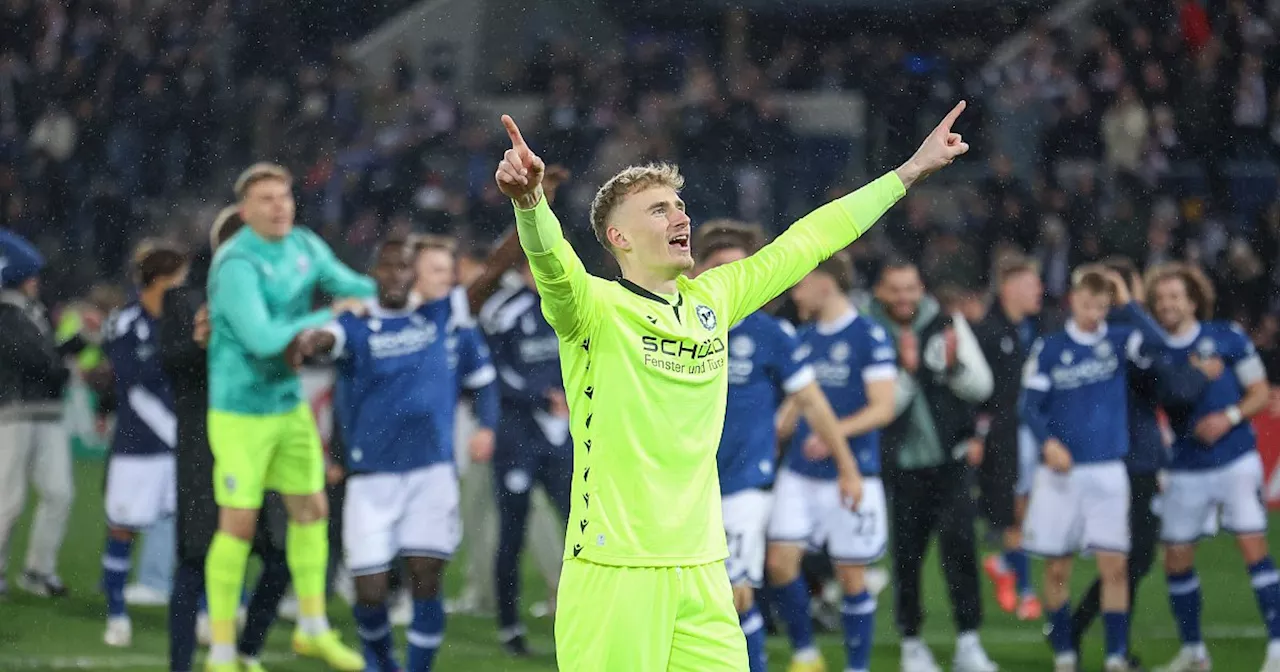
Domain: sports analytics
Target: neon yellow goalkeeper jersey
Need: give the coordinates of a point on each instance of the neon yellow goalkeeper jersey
(646, 381)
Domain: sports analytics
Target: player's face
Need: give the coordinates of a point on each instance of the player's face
(268, 208)
(653, 231)
(1089, 309)
(1173, 307)
(721, 257)
(900, 290)
(1027, 292)
(394, 275)
(435, 274)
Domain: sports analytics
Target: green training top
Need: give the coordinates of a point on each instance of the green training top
(646, 380)
(260, 297)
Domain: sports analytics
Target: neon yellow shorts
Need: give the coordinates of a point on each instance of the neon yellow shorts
(647, 619)
(256, 453)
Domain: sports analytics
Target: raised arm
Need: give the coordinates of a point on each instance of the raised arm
(758, 279)
(562, 280)
(336, 277)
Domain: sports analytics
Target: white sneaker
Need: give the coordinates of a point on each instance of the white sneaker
(204, 632)
(288, 609)
(1065, 663)
(119, 632)
(1190, 659)
(401, 611)
(140, 595)
(1272, 664)
(1117, 665)
(916, 657)
(971, 657)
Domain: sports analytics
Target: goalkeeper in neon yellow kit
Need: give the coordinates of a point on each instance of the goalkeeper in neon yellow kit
(644, 364)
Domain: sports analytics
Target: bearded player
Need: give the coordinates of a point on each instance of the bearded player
(644, 365)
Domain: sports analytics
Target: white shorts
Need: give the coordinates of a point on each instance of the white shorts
(746, 515)
(141, 489)
(1085, 509)
(1028, 462)
(1192, 499)
(413, 514)
(808, 511)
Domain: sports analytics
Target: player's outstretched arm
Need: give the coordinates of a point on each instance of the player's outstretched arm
(563, 283)
(760, 278)
(336, 277)
(237, 299)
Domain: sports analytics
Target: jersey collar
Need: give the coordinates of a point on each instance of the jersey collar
(1185, 340)
(1075, 334)
(837, 325)
(641, 291)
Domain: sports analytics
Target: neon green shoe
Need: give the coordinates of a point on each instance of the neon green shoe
(253, 666)
(222, 667)
(329, 648)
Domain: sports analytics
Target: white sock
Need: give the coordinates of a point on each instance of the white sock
(912, 645)
(806, 655)
(222, 653)
(1199, 650)
(1068, 657)
(967, 640)
(1115, 660)
(313, 625)
(1273, 649)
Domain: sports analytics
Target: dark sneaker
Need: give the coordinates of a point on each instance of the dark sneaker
(41, 585)
(517, 647)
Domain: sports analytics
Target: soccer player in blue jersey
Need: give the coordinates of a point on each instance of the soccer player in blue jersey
(1215, 465)
(140, 485)
(400, 368)
(766, 364)
(856, 367)
(533, 444)
(1075, 403)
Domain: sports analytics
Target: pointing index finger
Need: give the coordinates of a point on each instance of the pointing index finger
(513, 132)
(948, 120)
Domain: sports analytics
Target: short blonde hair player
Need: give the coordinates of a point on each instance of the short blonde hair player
(644, 365)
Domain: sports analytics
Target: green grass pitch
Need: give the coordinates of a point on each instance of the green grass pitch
(67, 634)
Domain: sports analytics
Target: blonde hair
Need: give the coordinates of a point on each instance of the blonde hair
(625, 183)
(260, 172)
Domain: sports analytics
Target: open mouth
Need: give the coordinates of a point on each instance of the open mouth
(679, 242)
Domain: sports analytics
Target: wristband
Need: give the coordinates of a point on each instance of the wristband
(1234, 416)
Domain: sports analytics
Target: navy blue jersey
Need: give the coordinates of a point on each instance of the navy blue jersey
(526, 354)
(146, 423)
(1075, 389)
(399, 376)
(845, 356)
(1242, 367)
(765, 364)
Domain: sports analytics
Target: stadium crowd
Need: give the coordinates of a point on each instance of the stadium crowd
(1106, 161)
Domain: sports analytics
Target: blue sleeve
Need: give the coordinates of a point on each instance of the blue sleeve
(1036, 387)
(485, 401)
(787, 359)
(512, 386)
(1177, 386)
(475, 369)
(1132, 316)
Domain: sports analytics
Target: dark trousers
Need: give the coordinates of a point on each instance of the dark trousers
(522, 460)
(924, 502)
(1144, 533)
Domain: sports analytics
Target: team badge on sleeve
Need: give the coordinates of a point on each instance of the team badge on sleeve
(706, 317)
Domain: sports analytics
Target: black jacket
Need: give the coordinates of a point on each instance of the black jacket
(1006, 354)
(32, 372)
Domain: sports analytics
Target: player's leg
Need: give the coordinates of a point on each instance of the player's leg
(707, 635)
(53, 482)
(1105, 506)
(264, 601)
(297, 473)
(620, 618)
(958, 551)
(513, 479)
(997, 476)
(1028, 454)
(139, 491)
(1245, 515)
(792, 525)
(184, 605)
(1186, 505)
(242, 447)
(372, 506)
(428, 534)
(1051, 531)
(857, 539)
(16, 444)
(746, 516)
(914, 519)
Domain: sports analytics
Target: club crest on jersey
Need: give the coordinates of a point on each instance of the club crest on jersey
(1067, 357)
(741, 346)
(1102, 350)
(706, 317)
(1205, 347)
(839, 351)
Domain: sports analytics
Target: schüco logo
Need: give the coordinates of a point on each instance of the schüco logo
(685, 349)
